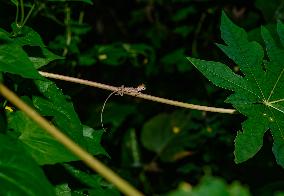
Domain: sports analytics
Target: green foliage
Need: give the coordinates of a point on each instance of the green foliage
(270, 10)
(85, 1)
(20, 175)
(14, 60)
(258, 94)
(167, 135)
(211, 186)
(96, 185)
(159, 149)
(55, 104)
(41, 146)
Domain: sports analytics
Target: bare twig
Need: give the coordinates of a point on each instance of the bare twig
(140, 95)
(87, 158)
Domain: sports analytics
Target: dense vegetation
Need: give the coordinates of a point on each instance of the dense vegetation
(170, 47)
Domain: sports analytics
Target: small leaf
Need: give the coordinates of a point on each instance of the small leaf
(19, 173)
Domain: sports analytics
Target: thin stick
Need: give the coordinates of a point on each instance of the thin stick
(87, 158)
(140, 95)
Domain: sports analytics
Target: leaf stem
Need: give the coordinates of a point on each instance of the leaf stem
(87, 158)
(140, 95)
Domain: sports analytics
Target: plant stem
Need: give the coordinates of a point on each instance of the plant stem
(22, 12)
(140, 95)
(17, 14)
(28, 16)
(87, 158)
(68, 30)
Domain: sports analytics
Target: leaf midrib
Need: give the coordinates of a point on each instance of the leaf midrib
(243, 58)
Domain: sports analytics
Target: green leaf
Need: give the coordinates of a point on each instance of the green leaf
(87, 60)
(63, 190)
(280, 31)
(47, 57)
(91, 180)
(16, 2)
(39, 144)
(61, 109)
(270, 11)
(248, 55)
(259, 94)
(117, 113)
(92, 140)
(176, 59)
(221, 75)
(59, 106)
(5, 36)
(183, 13)
(166, 135)
(211, 186)
(19, 173)
(113, 54)
(13, 59)
(85, 1)
(28, 37)
(184, 30)
(96, 184)
(131, 155)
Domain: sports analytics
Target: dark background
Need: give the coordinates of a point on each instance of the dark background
(147, 42)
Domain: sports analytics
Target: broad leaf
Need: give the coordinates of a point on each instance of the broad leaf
(65, 117)
(39, 144)
(28, 37)
(259, 94)
(211, 186)
(95, 183)
(166, 135)
(19, 173)
(44, 59)
(13, 59)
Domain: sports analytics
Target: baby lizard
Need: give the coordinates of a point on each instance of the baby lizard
(121, 91)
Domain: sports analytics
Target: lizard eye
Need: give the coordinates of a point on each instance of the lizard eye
(141, 87)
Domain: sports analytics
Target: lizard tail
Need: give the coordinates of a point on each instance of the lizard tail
(102, 124)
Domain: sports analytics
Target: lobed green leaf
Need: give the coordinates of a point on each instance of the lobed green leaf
(259, 94)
